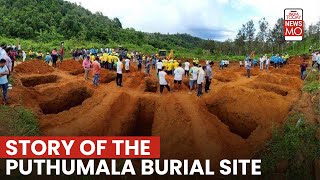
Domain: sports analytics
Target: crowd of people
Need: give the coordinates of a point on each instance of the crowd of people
(199, 76)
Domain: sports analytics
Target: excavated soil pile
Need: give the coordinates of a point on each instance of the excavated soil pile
(151, 85)
(74, 67)
(37, 80)
(225, 76)
(107, 76)
(34, 67)
(296, 60)
(290, 81)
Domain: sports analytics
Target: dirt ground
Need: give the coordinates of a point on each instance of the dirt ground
(234, 120)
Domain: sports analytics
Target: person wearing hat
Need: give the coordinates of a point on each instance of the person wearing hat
(86, 64)
(4, 83)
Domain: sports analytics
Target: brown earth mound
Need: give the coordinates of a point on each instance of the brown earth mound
(107, 76)
(289, 81)
(225, 76)
(151, 85)
(296, 60)
(37, 80)
(34, 67)
(74, 67)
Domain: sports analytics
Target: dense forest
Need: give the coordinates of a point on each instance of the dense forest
(44, 23)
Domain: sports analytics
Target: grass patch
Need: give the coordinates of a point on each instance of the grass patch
(18, 122)
(312, 87)
(311, 83)
(295, 144)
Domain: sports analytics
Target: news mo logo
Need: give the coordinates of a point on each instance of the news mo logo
(293, 24)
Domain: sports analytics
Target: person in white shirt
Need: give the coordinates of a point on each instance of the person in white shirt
(318, 60)
(159, 65)
(178, 73)
(267, 63)
(186, 68)
(127, 65)
(119, 73)
(261, 62)
(163, 80)
(240, 62)
(193, 77)
(24, 56)
(200, 80)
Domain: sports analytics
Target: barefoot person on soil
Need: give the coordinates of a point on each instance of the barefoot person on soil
(96, 68)
(208, 77)
(200, 80)
(178, 73)
(86, 64)
(4, 83)
(119, 72)
(193, 77)
(163, 80)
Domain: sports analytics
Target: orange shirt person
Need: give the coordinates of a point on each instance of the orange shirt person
(96, 68)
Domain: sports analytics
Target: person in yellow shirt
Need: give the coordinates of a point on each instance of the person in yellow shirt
(30, 54)
(170, 68)
(128, 55)
(165, 64)
(175, 64)
(286, 59)
(92, 58)
(114, 61)
(109, 58)
(104, 59)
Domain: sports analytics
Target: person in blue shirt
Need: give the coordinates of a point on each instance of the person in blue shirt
(275, 61)
(221, 64)
(255, 62)
(92, 51)
(4, 83)
(280, 59)
(248, 67)
(48, 58)
(154, 61)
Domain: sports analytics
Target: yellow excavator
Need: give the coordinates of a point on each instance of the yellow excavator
(163, 54)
